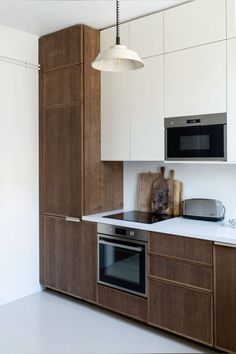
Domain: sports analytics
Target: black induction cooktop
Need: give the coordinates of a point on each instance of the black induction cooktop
(139, 216)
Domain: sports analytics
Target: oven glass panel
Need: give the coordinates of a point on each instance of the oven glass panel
(122, 264)
(196, 141)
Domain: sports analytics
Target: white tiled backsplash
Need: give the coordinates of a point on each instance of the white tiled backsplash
(213, 181)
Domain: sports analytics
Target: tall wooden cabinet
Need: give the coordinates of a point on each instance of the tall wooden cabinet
(73, 180)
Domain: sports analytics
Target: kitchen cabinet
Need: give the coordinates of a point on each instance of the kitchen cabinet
(181, 310)
(115, 101)
(132, 109)
(231, 19)
(73, 180)
(231, 94)
(63, 160)
(195, 23)
(90, 262)
(225, 299)
(63, 255)
(146, 35)
(195, 81)
(123, 303)
(180, 286)
(147, 111)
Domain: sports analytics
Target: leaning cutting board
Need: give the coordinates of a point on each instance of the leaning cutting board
(160, 194)
(145, 190)
(175, 195)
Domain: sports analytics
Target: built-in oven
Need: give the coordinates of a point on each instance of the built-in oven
(122, 258)
(201, 137)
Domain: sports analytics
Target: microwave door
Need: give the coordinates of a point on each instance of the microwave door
(196, 142)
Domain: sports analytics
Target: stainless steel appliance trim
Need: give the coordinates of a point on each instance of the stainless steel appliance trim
(138, 249)
(225, 244)
(69, 218)
(205, 119)
(115, 286)
(110, 230)
(224, 158)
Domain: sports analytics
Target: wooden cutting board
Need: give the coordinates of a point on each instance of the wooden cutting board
(160, 194)
(145, 190)
(175, 195)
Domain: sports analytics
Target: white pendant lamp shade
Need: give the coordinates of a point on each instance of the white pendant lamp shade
(117, 58)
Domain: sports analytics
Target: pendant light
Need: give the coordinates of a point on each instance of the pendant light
(118, 57)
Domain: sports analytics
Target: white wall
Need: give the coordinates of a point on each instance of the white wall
(19, 260)
(200, 181)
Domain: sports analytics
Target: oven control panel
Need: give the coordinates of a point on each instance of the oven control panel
(111, 230)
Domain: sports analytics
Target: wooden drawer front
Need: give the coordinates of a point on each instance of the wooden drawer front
(122, 302)
(59, 49)
(182, 272)
(63, 86)
(191, 249)
(181, 310)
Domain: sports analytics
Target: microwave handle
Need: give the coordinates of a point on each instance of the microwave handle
(137, 249)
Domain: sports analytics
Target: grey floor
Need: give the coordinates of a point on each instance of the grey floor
(50, 323)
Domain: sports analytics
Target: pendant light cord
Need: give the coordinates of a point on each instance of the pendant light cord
(117, 22)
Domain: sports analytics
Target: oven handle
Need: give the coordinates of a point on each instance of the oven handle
(137, 249)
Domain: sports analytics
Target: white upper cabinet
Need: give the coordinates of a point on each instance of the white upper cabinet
(147, 111)
(195, 23)
(146, 35)
(195, 80)
(231, 90)
(115, 103)
(231, 18)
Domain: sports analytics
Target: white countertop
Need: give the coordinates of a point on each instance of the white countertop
(205, 230)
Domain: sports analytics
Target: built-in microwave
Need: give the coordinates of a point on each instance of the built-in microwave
(202, 137)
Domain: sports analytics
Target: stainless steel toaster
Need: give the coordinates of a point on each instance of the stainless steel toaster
(203, 209)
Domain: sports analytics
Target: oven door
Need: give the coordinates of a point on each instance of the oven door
(122, 264)
(202, 142)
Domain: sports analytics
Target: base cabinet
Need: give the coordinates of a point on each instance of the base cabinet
(181, 310)
(225, 298)
(63, 257)
(124, 303)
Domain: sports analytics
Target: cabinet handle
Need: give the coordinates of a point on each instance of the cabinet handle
(225, 244)
(69, 218)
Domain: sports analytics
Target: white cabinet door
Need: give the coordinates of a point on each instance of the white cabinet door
(195, 23)
(115, 104)
(146, 35)
(147, 111)
(231, 90)
(231, 18)
(195, 80)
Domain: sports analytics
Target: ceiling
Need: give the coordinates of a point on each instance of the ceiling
(42, 17)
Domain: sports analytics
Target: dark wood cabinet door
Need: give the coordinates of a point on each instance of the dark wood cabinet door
(181, 310)
(63, 161)
(59, 49)
(90, 262)
(124, 303)
(63, 255)
(225, 298)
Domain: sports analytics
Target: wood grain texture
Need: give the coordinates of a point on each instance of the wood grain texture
(181, 310)
(145, 190)
(194, 275)
(63, 258)
(63, 161)
(124, 303)
(194, 250)
(62, 48)
(90, 262)
(103, 181)
(63, 86)
(225, 298)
